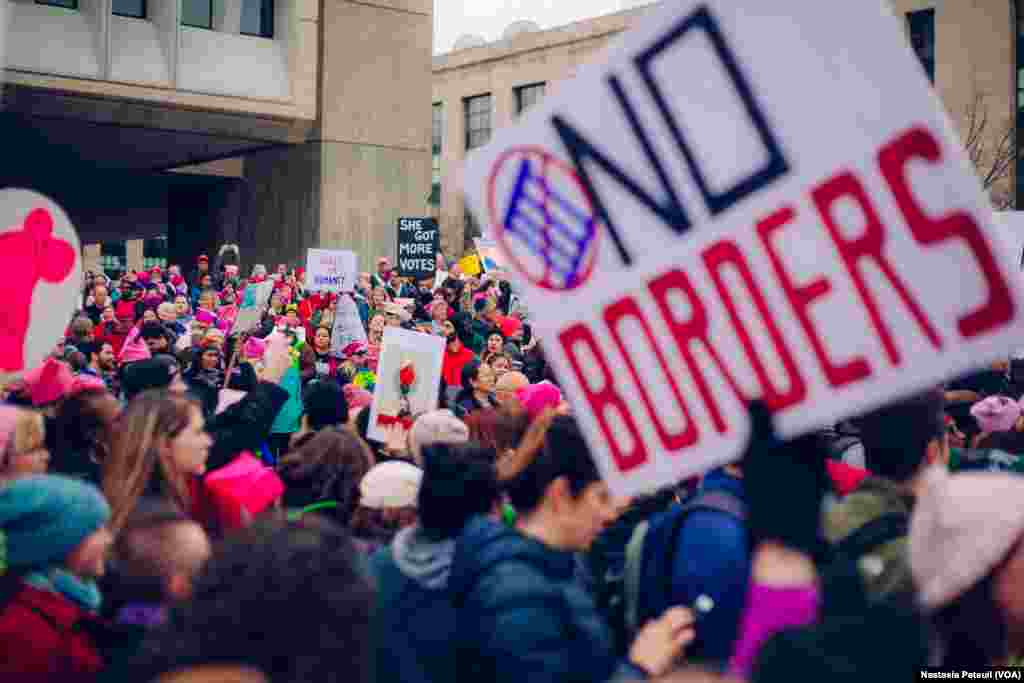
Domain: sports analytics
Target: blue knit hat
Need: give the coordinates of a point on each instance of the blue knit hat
(44, 518)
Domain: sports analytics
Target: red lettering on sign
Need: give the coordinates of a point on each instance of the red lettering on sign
(628, 308)
(716, 258)
(695, 329)
(869, 245)
(801, 297)
(607, 397)
(893, 159)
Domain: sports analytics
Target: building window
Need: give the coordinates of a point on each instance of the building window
(921, 26)
(197, 13)
(436, 140)
(154, 253)
(65, 4)
(130, 8)
(113, 258)
(528, 95)
(478, 120)
(258, 18)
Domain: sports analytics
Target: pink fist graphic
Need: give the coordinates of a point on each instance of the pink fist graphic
(26, 257)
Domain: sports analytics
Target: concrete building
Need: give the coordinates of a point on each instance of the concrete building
(970, 48)
(257, 122)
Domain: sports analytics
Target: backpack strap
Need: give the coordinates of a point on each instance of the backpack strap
(717, 500)
(631, 576)
(877, 532)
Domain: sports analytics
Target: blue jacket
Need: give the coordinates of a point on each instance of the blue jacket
(523, 615)
(416, 618)
(712, 557)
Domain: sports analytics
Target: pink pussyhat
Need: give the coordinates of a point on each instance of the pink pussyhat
(204, 317)
(50, 382)
(134, 350)
(537, 398)
(254, 348)
(996, 413)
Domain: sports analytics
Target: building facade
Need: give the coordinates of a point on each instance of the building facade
(192, 123)
(969, 48)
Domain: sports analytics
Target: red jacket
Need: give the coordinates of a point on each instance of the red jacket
(451, 370)
(42, 639)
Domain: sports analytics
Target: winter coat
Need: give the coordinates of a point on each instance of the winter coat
(44, 636)
(417, 619)
(874, 498)
(523, 614)
(246, 425)
(451, 368)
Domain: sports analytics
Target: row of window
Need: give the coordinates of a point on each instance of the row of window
(477, 112)
(257, 15)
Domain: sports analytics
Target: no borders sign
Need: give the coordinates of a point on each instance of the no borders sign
(330, 270)
(418, 240)
(41, 260)
(792, 220)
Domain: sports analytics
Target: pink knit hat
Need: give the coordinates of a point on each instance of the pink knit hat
(963, 526)
(254, 348)
(134, 350)
(205, 317)
(50, 382)
(996, 413)
(537, 398)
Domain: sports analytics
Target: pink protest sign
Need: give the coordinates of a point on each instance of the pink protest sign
(42, 265)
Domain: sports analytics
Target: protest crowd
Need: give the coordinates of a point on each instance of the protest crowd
(190, 493)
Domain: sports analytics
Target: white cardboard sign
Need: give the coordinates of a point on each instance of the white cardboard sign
(424, 353)
(330, 270)
(348, 326)
(745, 200)
(41, 260)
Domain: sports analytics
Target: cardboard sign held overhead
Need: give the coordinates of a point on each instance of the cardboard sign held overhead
(408, 379)
(41, 260)
(330, 270)
(490, 255)
(686, 245)
(348, 326)
(418, 243)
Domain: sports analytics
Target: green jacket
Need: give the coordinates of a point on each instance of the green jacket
(886, 568)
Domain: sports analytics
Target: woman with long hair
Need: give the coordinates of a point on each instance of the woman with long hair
(159, 449)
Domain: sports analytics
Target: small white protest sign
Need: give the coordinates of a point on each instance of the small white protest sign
(745, 200)
(348, 326)
(408, 379)
(41, 260)
(330, 270)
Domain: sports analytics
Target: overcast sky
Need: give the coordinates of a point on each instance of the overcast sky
(488, 18)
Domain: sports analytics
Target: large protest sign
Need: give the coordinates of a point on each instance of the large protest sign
(348, 326)
(330, 270)
(418, 244)
(408, 379)
(255, 299)
(41, 260)
(745, 200)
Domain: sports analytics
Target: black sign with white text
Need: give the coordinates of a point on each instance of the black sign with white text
(418, 240)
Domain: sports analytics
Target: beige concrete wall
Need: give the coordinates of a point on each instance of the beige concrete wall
(91, 256)
(975, 67)
(974, 58)
(550, 56)
(374, 122)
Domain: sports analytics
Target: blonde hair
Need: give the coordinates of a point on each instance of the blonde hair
(138, 455)
(28, 434)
